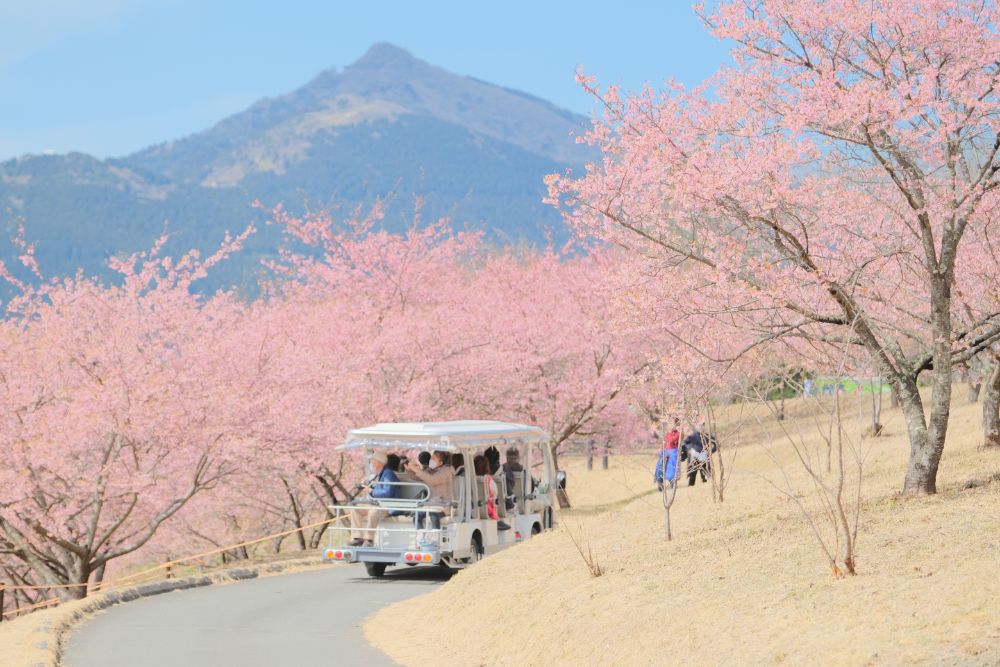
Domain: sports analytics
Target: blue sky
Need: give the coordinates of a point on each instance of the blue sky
(109, 77)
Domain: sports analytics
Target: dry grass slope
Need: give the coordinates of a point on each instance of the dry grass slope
(743, 582)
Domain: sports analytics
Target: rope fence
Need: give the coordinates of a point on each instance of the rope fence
(142, 576)
(51, 602)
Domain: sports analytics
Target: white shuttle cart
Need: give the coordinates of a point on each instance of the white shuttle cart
(466, 532)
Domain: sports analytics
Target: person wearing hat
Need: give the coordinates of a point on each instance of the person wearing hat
(364, 520)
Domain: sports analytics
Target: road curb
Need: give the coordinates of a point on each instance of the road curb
(49, 637)
(62, 628)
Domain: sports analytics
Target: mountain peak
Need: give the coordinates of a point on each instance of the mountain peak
(385, 55)
(385, 85)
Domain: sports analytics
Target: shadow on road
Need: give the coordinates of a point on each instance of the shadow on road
(411, 576)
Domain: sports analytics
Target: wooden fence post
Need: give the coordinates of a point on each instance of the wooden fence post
(590, 454)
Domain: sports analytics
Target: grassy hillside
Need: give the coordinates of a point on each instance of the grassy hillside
(743, 582)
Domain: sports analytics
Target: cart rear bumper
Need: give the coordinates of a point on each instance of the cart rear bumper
(427, 556)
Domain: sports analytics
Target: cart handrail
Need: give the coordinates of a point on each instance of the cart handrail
(403, 503)
(365, 503)
(384, 529)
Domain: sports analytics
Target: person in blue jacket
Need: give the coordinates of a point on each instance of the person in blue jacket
(666, 467)
(364, 520)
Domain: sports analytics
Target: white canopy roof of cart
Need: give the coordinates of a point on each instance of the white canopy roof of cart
(447, 436)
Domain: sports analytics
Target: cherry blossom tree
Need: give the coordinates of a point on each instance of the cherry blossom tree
(439, 325)
(136, 416)
(848, 155)
(117, 411)
(558, 357)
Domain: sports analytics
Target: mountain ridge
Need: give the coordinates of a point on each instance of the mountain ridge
(389, 124)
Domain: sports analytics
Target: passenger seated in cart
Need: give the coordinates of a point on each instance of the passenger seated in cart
(440, 477)
(363, 521)
(482, 467)
(512, 466)
(492, 455)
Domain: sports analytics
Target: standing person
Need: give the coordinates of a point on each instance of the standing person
(672, 439)
(363, 521)
(696, 456)
(666, 459)
(440, 477)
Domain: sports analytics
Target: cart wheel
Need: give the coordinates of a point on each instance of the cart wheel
(375, 569)
(535, 529)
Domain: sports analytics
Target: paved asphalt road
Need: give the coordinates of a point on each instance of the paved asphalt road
(305, 620)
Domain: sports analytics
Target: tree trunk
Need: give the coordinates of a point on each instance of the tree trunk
(978, 370)
(916, 428)
(99, 575)
(781, 407)
(79, 574)
(296, 515)
(974, 390)
(991, 405)
(927, 438)
(876, 408)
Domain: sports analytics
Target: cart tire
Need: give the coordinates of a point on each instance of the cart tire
(535, 529)
(375, 569)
